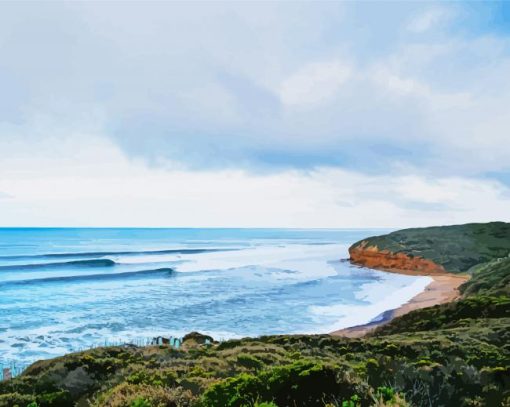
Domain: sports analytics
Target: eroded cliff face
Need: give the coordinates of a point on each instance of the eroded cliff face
(371, 256)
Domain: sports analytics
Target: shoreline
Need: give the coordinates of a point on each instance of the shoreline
(444, 288)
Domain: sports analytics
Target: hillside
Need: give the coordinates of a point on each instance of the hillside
(485, 295)
(455, 354)
(453, 248)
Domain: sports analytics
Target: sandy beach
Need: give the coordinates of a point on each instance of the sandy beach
(444, 288)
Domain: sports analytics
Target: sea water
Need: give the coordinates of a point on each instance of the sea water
(63, 290)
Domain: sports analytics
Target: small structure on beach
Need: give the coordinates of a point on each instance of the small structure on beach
(162, 341)
(190, 340)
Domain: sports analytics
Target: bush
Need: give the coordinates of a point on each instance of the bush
(249, 361)
(143, 395)
(16, 399)
(385, 393)
(154, 378)
(54, 399)
(140, 402)
(300, 383)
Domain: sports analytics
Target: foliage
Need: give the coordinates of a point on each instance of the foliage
(143, 395)
(449, 315)
(459, 365)
(457, 248)
(491, 278)
(299, 383)
(140, 402)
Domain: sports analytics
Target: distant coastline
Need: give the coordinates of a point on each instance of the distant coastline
(447, 254)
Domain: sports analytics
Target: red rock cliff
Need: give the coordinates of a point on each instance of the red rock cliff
(371, 256)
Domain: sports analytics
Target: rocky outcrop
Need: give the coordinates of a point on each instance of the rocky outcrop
(370, 256)
(194, 339)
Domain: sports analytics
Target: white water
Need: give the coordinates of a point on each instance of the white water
(274, 282)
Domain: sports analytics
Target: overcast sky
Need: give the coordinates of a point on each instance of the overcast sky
(261, 114)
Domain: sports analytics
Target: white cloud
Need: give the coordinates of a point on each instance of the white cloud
(267, 85)
(428, 19)
(406, 86)
(275, 88)
(314, 83)
(99, 186)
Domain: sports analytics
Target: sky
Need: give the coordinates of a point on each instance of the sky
(254, 114)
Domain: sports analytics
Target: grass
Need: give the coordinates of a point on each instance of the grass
(457, 248)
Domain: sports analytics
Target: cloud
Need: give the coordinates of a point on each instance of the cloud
(429, 19)
(314, 83)
(99, 186)
(337, 109)
(264, 87)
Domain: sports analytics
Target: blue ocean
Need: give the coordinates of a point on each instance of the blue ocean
(68, 289)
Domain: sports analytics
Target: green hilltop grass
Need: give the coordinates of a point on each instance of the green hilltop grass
(455, 354)
(457, 248)
(489, 278)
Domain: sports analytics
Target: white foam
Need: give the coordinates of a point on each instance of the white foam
(381, 296)
(261, 268)
(295, 257)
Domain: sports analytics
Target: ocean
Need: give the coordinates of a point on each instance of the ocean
(63, 290)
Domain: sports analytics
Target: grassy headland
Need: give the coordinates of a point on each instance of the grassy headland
(455, 354)
(455, 248)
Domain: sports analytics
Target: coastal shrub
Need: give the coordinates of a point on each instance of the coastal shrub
(15, 399)
(452, 384)
(249, 361)
(54, 399)
(200, 371)
(453, 366)
(140, 402)
(300, 383)
(127, 395)
(196, 385)
(448, 315)
(354, 401)
(155, 378)
(373, 372)
(385, 393)
(396, 401)
(96, 364)
(218, 365)
(491, 278)
(237, 391)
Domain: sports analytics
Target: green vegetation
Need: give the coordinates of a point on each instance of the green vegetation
(492, 278)
(456, 248)
(463, 365)
(455, 354)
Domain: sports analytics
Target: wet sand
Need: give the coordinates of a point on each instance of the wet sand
(444, 288)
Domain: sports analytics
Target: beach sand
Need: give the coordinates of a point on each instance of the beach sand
(444, 288)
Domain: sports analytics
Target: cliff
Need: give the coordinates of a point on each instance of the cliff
(455, 249)
(371, 256)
